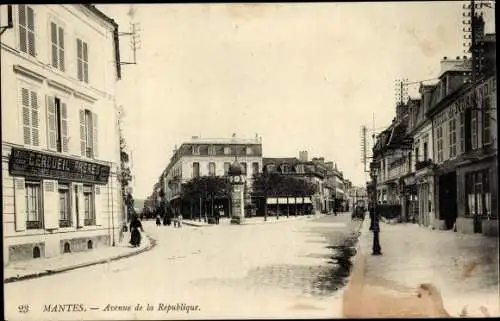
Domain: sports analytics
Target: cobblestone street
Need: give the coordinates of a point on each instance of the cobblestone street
(292, 269)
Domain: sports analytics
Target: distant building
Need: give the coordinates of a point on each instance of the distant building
(60, 146)
(209, 157)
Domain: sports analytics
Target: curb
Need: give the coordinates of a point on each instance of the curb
(259, 222)
(152, 244)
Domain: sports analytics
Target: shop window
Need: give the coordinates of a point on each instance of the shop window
(64, 205)
(88, 201)
(33, 205)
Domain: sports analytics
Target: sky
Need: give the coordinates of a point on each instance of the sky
(303, 76)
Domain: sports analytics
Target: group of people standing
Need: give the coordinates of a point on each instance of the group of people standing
(167, 220)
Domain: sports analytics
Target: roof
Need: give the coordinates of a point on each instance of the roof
(116, 38)
(281, 160)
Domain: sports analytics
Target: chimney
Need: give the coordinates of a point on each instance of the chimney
(303, 156)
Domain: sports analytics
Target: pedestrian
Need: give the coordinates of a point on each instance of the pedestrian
(158, 220)
(135, 231)
(179, 220)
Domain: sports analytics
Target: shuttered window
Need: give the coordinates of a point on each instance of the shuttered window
(64, 205)
(89, 133)
(88, 201)
(82, 58)
(486, 137)
(57, 124)
(33, 205)
(30, 117)
(57, 46)
(26, 20)
(474, 126)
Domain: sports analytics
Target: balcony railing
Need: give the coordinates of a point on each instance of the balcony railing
(423, 164)
(89, 221)
(64, 223)
(33, 225)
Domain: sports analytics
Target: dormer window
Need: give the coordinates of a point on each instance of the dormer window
(211, 150)
(196, 150)
(249, 150)
(285, 168)
(227, 150)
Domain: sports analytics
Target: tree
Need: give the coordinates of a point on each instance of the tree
(124, 175)
(206, 188)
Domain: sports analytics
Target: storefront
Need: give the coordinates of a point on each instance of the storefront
(425, 190)
(477, 197)
(56, 204)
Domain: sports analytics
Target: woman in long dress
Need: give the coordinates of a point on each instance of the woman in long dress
(135, 231)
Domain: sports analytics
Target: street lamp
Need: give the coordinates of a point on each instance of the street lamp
(374, 216)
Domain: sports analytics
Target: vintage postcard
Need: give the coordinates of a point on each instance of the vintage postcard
(270, 160)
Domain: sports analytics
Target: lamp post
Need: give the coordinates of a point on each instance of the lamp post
(374, 216)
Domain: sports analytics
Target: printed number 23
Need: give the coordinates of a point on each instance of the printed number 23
(23, 308)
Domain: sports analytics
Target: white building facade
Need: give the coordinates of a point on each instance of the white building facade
(60, 146)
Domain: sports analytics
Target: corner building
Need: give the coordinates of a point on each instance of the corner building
(60, 147)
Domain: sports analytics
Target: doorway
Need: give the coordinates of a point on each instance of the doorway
(448, 199)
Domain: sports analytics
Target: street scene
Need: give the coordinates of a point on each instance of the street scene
(212, 161)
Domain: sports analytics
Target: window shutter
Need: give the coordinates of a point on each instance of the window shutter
(20, 203)
(79, 59)
(25, 100)
(81, 206)
(51, 123)
(31, 32)
(99, 212)
(83, 145)
(50, 204)
(35, 120)
(53, 40)
(22, 28)
(61, 49)
(85, 59)
(64, 127)
(95, 145)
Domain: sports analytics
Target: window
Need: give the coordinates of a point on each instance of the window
(473, 125)
(196, 150)
(452, 137)
(88, 133)
(82, 60)
(426, 156)
(462, 132)
(227, 150)
(439, 136)
(211, 169)
(64, 206)
(30, 112)
(57, 46)
(33, 205)
(27, 30)
(57, 124)
(417, 154)
(244, 167)
(486, 121)
(249, 150)
(88, 205)
(477, 190)
(255, 168)
(226, 168)
(211, 150)
(196, 170)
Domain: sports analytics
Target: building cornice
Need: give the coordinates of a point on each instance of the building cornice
(84, 96)
(29, 73)
(60, 86)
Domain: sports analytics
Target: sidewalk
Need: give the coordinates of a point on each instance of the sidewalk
(462, 270)
(254, 220)
(17, 271)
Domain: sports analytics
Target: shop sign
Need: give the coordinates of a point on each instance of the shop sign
(32, 163)
(473, 97)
